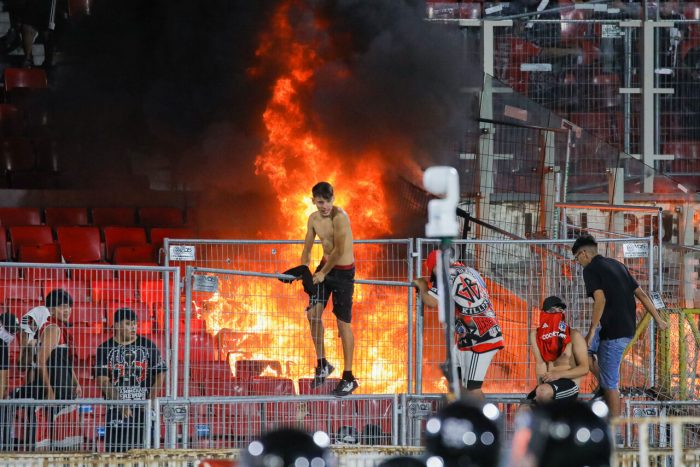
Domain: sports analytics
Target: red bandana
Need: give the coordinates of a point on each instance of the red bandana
(552, 335)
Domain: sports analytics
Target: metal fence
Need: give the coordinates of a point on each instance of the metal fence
(233, 422)
(519, 275)
(251, 335)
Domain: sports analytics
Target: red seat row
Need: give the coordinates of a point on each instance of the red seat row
(117, 216)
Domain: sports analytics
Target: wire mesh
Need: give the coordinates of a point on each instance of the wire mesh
(519, 275)
(252, 336)
(215, 422)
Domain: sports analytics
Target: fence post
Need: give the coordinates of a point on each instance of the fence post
(149, 425)
(395, 421)
(156, 423)
(186, 357)
(411, 346)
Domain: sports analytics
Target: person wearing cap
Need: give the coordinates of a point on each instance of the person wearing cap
(560, 352)
(127, 367)
(613, 290)
(478, 335)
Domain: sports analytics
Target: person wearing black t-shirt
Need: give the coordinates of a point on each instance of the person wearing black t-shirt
(128, 367)
(613, 290)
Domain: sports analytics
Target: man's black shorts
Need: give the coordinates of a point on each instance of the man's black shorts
(340, 283)
(564, 390)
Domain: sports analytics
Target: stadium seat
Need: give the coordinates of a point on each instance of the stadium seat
(66, 216)
(17, 154)
(683, 149)
(103, 217)
(4, 250)
(89, 315)
(161, 217)
(29, 235)
(116, 236)
(249, 369)
(111, 289)
(25, 78)
(11, 121)
(80, 244)
(135, 255)
(10, 217)
(78, 8)
(85, 343)
(78, 290)
(46, 253)
(328, 385)
(17, 289)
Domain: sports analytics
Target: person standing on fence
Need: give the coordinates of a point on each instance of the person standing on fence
(128, 367)
(613, 290)
(478, 335)
(57, 426)
(561, 356)
(334, 276)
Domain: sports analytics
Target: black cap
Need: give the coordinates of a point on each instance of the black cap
(583, 240)
(10, 322)
(124, 314)
(58, 297)
(551, 302)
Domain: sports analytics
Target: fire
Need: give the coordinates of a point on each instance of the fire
(295, 156)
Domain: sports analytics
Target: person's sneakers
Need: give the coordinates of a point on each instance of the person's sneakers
(345, 387)
(321, 373)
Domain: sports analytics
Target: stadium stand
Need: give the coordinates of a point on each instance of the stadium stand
(116, 237)
(66, 216)
(104, 217)
(29, 235)
(80, 244)
(18, 216)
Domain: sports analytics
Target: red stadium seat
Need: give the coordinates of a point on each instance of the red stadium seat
(11, 121)
(85, 343)
(113, 216)
(17, 289)
(66, 216)
(135, 255)
(78, 290)
(4, 250)
(46, 253)
(29, 235)
(10, 217)
(27, 78)
(17, 154)
(249, 369)
(328, 385)
(683, 149)
(270, 386)
(80, 244)
(110, 289)
(88, 314)
(78, 8)
(123, 236)
(161, 217)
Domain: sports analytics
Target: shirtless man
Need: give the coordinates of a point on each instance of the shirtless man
(334, 275)
(561, 355)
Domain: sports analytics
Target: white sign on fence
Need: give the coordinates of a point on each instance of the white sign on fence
(182, 253)
(635, 250)
(206, 284)
(657, 300)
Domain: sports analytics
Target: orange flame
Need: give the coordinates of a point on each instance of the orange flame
(296, 156)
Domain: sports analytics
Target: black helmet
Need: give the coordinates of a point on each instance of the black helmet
(284, 447)
(464, 434)
(572, 434)
(403, 461)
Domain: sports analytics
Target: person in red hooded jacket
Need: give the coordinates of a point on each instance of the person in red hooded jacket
(561, 355)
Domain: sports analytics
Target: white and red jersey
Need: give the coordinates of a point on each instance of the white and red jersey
(476, 327)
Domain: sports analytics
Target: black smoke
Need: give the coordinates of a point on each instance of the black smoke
(147, 83)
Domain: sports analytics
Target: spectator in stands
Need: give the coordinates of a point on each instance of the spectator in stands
(128, 367)
(30, 324)
(613, 290)
(561, 356)
(8, 328)
(334, 276)
(478, 335)
(57, 426)
(54, 353)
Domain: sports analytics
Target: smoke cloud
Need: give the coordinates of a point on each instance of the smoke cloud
(168, 84)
